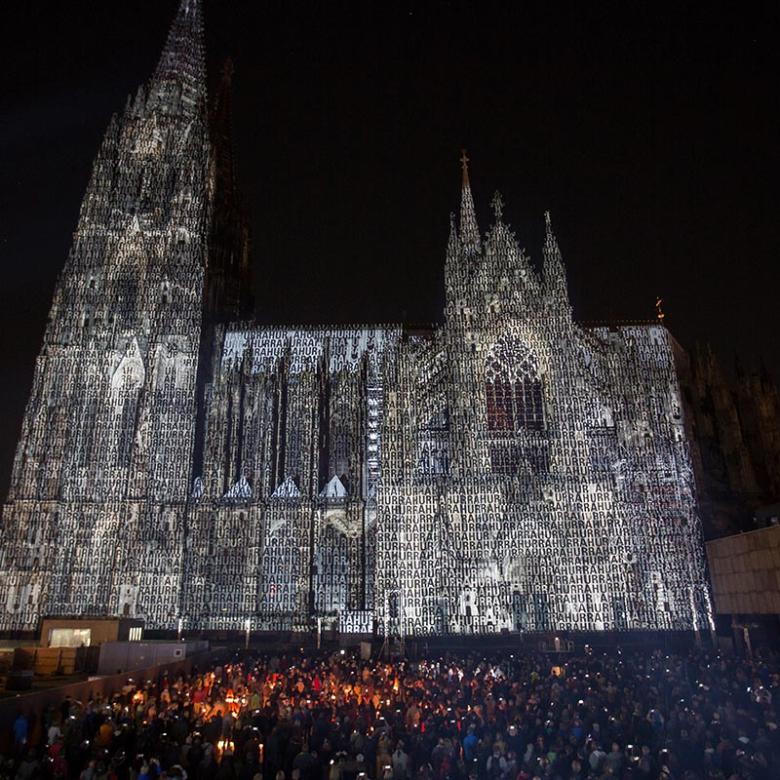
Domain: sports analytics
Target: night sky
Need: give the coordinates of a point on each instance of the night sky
(651, 135)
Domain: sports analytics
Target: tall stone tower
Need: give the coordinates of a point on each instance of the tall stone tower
(95, 513)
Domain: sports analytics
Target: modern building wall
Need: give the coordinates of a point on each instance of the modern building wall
(745, 572)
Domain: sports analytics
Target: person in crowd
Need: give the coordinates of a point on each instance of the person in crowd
(21, 728)
(522, 716)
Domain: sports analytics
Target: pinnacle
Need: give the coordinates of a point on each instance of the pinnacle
(497, 205)
(550, 241)
(554, 272)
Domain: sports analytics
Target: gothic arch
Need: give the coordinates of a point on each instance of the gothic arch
(513, 388)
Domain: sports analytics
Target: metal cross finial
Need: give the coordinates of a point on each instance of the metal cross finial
(498, 205)
(464, 161)
(659, 312)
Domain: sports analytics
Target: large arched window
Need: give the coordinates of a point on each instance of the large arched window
(513, 388)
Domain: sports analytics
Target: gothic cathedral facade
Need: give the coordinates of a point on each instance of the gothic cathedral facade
(508, 469)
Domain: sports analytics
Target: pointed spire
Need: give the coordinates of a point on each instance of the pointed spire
(550, 241)
(551, 248)
(469, 230)
(179, 82)
(497, 204)
(222, 126)
(554, 273)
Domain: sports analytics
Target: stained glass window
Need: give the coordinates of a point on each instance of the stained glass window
(513, 388)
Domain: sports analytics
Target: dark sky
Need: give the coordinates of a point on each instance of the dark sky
(651, 134)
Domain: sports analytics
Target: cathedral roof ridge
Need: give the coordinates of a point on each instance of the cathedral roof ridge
(612, 323)
(420, 330)
(233, 327)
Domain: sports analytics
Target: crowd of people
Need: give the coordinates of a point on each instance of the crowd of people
(521, 716)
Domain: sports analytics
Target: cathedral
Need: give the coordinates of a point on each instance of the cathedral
(506, 470)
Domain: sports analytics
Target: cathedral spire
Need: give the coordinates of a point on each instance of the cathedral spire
(469, 230)
(554, 272)
(178, 85)
(222, 128)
